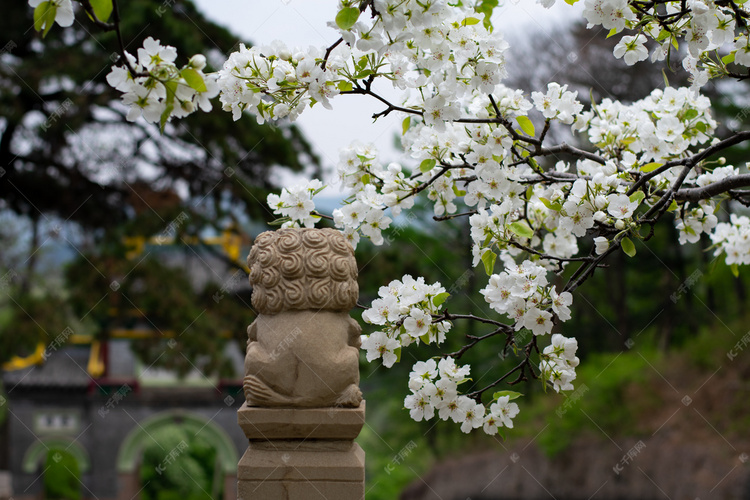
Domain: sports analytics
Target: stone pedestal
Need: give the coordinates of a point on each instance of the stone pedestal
(302, 454)
(303, 407)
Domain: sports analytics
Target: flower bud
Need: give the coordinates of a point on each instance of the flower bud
(198, 61)
(600, 216)
(620, 225)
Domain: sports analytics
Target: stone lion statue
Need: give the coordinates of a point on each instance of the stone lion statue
(303, 348)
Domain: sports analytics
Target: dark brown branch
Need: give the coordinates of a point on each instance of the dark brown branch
(713, 189)
(567, 148)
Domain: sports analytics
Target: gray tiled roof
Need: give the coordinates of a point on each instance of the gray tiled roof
(65, 367)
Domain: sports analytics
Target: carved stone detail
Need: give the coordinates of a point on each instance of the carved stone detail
(303, 347)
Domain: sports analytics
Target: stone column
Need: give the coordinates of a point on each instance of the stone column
(303, 407)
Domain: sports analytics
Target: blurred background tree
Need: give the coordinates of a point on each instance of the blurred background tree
(180, 466)
(76, 174)
(62, 476)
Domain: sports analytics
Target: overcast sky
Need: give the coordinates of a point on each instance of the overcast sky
(303, 22)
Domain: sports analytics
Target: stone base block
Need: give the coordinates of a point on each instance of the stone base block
(301, 423)
(300, 490)
(310, 462)
(302, 470)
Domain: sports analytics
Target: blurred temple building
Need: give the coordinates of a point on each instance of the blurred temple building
(96, 402)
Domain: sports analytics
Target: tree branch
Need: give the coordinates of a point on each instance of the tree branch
(713, 189)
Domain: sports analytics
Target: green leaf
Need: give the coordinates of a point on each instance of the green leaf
(488, 259)
(673, 206)
(552, 206)
(194, 79)
(427, 165)
(363, 74)
(650, 167)
(346, 18)
(39, 15)
(345, 86)
(637, 196)
(526, 125)
(365, 179)
(44, 17)
(571, 2)
(729, 58)
(522, 229)
(690, 114)
(405, 125)
(279, 221)
(425, 338)
(511, 395)
(628, 247)
(397, 352)
(49, 18)
(102, 9)
(469, 21)
(438, 299)
(735, 270)
(612, 32)
(701, 127)
(171, 87)
(486, 7)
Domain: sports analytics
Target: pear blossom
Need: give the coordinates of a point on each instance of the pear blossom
(63, 10)
(505, 411)
(620, 206)
(379, 345)
(632, 48)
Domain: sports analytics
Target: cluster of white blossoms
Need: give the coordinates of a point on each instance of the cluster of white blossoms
(404, 312)
(275, 82)
(295, 205)
(657, 128)
(559, 362)
(434, 388)
(521, 293)
(165, 91)
(708, 27)
(733, 239)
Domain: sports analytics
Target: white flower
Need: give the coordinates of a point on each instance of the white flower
(561, 303)
(418, 323)
(383, 310)
(143, 101)
(620, 206)
(486, 78)
(425, 369)
(154, 54)
(449, 370)
(633, 48)
(64, 13)
(601, 244)
(538, 321)
(505, 411)
(378, 345)
(420, 403)
(471, 414)
(437, 111)
(742, 54)
(490, 423)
